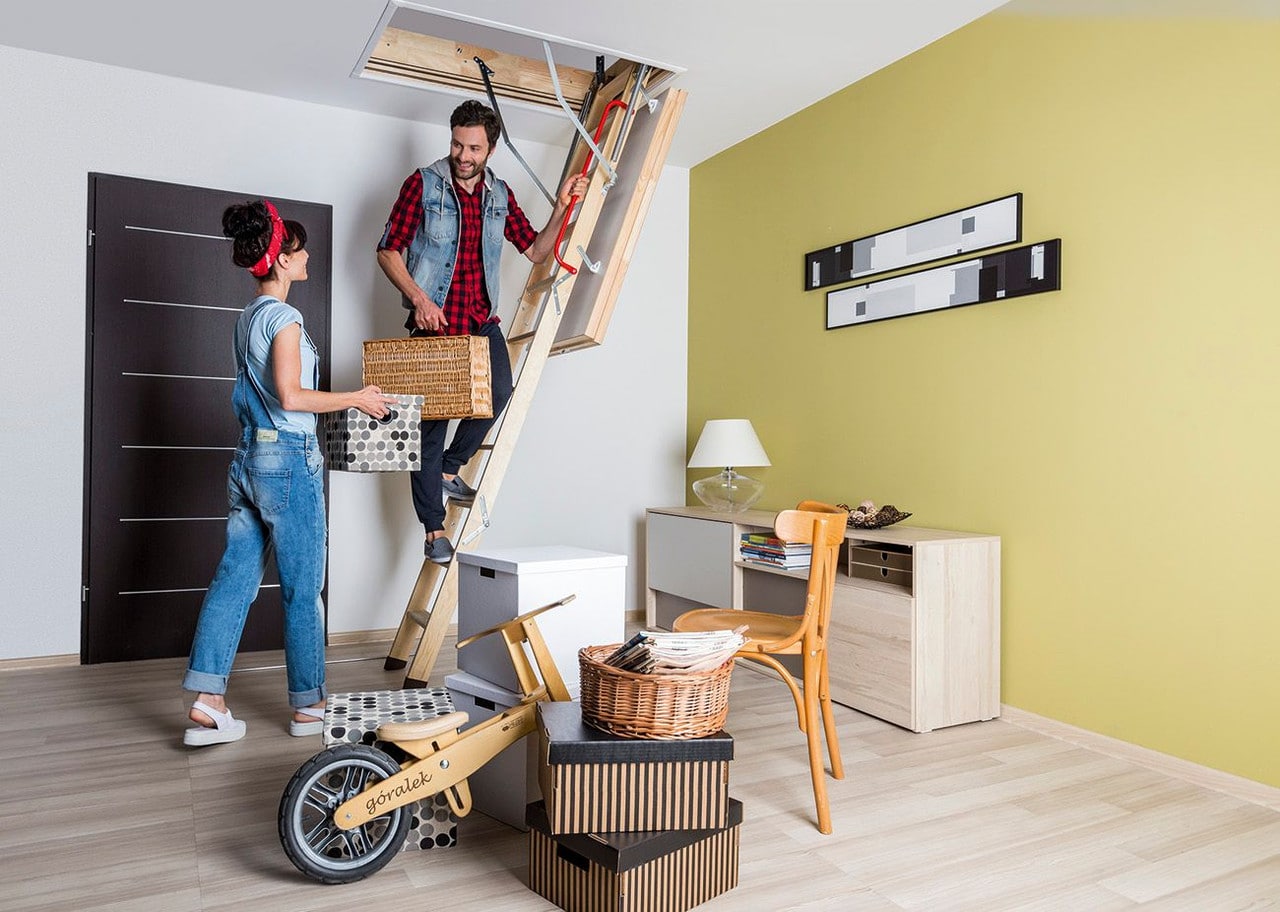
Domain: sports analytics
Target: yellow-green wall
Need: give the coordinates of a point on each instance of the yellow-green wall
(1121, 435)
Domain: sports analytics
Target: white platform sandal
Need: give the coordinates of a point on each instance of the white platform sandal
(225, 728)
(302, 729)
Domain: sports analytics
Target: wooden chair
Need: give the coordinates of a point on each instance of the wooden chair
(805, 635)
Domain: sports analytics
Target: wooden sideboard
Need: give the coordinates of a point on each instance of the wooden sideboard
(915, 626)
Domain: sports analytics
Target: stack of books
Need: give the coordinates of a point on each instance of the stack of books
(659, 651)
(762, 548)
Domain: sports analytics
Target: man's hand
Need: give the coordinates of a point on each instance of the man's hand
(426, 315)
(575, 185)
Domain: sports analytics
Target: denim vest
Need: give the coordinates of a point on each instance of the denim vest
(434, 248)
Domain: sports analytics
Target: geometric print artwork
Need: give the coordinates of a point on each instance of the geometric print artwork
(355, 442)
(1008, 274)
(353, 718)
(969, 230)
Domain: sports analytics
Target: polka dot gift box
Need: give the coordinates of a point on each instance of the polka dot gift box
(354, 442)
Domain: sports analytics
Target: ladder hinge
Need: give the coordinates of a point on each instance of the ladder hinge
(484, 522)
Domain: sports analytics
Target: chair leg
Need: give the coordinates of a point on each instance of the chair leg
(812, 671)
(829, 722)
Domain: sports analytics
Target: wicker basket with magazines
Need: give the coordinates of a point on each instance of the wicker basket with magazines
(658, 705)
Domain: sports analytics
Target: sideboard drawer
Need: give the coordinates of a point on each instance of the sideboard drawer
(871, 654)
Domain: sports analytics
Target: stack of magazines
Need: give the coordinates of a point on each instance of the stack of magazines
(760, 548)
(659, 651)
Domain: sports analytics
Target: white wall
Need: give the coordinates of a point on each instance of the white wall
(604, 439)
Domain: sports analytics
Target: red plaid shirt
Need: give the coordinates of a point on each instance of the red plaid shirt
(467, 306)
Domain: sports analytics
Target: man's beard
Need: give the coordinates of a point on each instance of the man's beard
(457, 175)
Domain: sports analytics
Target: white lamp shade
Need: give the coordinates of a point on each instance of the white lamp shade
(728, 442)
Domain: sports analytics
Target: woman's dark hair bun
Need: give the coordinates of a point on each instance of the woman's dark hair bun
(249, 225)
(245, 220)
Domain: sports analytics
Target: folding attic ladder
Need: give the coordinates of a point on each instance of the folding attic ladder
(532, 338)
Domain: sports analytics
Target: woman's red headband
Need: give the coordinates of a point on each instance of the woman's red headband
(263, 266)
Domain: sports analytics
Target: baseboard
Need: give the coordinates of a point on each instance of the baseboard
(53, 661)
(360, 637)
(1236, 786)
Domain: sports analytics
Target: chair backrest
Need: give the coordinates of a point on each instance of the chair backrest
(822, 526)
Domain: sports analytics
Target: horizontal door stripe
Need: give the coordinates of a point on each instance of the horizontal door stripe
(212, 237)
(156, 446)
(196, 589)
(176, 304)
(175, 376)
(173, 518)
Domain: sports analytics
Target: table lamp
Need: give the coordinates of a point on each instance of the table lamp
(728, 442)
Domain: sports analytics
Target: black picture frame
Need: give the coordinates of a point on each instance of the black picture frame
(1019, 271)
(982, 226)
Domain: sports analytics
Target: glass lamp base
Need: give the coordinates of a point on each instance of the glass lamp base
(728, 492)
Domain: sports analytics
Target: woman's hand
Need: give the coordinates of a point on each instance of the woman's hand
(372, 401)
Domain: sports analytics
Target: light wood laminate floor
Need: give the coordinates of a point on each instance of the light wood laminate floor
(101, 807)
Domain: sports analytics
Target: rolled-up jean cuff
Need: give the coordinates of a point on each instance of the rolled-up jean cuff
(308, 697)
(203, 682)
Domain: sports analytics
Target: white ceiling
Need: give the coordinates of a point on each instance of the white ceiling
(748, 63)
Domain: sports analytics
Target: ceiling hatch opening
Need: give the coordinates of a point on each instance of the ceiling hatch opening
(433, 49)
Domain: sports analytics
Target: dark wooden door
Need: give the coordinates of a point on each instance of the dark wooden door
(163, 299)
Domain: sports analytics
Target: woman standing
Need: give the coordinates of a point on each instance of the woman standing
(274, 485)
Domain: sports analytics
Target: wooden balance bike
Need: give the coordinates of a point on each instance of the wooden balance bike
(344, 814)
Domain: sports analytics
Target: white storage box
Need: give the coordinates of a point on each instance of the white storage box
(495, 586)
(507, 784)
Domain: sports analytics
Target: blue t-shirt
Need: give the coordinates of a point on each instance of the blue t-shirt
(261, 320)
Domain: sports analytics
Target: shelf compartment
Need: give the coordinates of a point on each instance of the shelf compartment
(899, 578)
(895, 557)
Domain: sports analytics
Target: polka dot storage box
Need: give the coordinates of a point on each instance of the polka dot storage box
(353, 718)
(355, 442)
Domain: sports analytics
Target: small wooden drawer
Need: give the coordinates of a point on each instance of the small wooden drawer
(884, 574)
(895, 557)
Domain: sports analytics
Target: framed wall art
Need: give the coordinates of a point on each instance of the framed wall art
(1008, 274)
(968, 230)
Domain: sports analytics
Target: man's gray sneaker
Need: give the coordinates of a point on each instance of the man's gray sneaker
(457, 489)
(439, 551)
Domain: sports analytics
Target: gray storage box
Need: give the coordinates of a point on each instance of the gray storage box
(505, 786)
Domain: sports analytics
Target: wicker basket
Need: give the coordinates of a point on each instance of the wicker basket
(450, 372)
(658, 706)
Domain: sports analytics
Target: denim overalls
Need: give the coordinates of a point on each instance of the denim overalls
(276, 494)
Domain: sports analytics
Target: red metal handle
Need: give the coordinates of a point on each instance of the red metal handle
(616, 103)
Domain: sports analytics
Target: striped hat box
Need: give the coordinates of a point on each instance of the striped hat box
(597, 782)
(632, 872)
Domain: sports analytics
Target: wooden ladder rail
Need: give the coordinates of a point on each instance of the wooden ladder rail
(532, 332)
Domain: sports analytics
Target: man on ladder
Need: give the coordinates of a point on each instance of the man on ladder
(442, 248)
